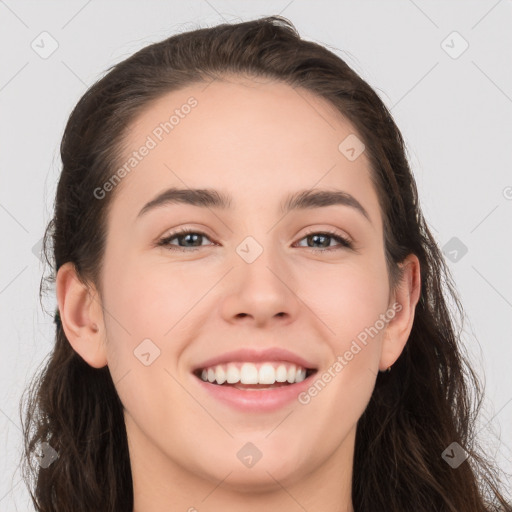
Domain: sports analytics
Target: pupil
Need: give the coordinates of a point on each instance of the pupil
(315, 237)
(192, 235)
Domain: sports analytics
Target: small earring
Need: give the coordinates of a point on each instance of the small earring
(389, 369)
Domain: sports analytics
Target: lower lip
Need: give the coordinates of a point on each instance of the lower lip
(256, 400)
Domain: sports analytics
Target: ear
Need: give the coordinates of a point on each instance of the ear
(81, 316)
(403, 302)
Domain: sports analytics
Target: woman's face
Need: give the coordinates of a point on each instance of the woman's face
(255, 276)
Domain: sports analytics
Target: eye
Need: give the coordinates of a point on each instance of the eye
(195, 237)
(322, 236)
(189, 235)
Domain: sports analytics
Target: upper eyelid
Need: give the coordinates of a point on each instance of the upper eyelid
(184, 231)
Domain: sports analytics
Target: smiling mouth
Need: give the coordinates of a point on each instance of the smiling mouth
(249, 376)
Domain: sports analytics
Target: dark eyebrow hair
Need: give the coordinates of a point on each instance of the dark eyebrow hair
(315, 198)
(210, 198)
(204, 198)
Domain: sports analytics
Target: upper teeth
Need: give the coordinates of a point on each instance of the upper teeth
(251, 373)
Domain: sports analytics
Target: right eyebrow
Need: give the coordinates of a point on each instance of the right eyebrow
(205, 198)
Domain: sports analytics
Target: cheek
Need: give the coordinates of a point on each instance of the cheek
(346, 297)
(353, 300)
(151, 299)
(350, 301)
(145, 317)
(149, 315)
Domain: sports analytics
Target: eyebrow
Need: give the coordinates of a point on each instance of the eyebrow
(210, 198)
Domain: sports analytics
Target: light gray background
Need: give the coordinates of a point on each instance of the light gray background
(455, 115)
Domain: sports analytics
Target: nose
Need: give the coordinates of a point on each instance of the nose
(261, 293)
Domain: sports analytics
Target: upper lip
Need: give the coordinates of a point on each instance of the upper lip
(253, 355)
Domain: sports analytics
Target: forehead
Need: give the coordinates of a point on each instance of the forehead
(247, 137)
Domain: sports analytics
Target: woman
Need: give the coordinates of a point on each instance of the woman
(252, 369)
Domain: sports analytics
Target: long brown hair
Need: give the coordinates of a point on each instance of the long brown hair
(428, 401)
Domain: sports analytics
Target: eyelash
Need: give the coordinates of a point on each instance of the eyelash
(344, 242)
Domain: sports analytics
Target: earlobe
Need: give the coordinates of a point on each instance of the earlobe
(405, 299)
(81, 316)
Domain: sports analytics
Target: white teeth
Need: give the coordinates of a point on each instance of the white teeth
(254, 373)
(233, 374)
(267, 374)
(248, 374)
(281, 373)
(300, 375)
(290, 376)
(220, 375)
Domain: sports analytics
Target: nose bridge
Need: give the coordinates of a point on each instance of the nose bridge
(262, 289)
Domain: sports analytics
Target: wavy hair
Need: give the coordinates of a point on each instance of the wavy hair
(431, 397)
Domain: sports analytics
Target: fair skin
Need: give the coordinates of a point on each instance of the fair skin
(258, 142)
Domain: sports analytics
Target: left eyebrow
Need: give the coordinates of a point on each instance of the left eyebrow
(315, 198)
(210, 198)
